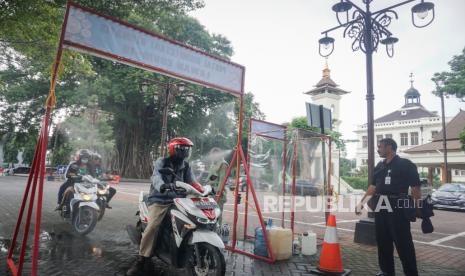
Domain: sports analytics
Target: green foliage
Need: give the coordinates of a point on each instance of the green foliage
(29, 32)
(357, 182)
(436, 179)
(362, 171)
(61, 149)
(16, 142)
(301, 122)
(453, 82)
(346, 166)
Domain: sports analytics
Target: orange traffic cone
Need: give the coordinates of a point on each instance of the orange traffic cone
(330, 257)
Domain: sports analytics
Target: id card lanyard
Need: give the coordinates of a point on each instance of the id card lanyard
(387, 180)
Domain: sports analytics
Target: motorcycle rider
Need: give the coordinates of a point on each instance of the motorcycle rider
(74, 172)
(97, 172)
(161, 198)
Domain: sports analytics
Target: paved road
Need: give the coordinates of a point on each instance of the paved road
(107, 250)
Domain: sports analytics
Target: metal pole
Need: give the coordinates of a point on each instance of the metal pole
(444, 140)
(370, 96)
(323, 157)
(339, 173)
(164, 120)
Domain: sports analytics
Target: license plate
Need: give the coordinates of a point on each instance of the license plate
(205, 204)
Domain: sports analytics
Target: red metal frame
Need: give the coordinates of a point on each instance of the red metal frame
(246, 213)
(248, 162)
(37, 173)
(294, 161)
(38, 166)
(324, 139)
(284, 173)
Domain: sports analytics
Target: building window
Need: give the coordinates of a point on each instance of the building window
(388, 136)
(364, 142)
(456, 172)
(378, 138)
(414, 138)
(404, 139)
(364, 162)
(462, 173)
(433, 133)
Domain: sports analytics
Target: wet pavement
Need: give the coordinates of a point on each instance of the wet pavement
(108, 250)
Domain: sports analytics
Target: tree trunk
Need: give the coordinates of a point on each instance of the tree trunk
(134, 144)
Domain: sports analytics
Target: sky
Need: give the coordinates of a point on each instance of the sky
(277, 42)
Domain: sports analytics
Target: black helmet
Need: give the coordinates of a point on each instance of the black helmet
(96, 157)
(83, 154)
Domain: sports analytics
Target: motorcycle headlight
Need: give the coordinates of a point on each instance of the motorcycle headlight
(202, 220)
(86, 197)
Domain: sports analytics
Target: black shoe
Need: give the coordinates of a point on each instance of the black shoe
(137, 268)
(58, 208)
(149, 266)
(108, 206)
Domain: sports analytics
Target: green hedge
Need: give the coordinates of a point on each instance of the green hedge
(357, 182)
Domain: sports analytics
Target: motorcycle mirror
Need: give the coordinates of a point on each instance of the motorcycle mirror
(166, 171)
(213, 177)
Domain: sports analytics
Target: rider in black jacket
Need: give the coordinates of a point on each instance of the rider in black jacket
(161, 198)
(74, 173)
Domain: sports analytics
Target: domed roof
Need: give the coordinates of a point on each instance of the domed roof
(412, 93)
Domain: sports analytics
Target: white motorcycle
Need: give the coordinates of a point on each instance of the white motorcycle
(187, 237)
(83, 210)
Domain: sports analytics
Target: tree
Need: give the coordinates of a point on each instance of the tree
(346, 166)
(251, 110)
(453, 82)
(301, 122)
(24, 142)
(135, 115)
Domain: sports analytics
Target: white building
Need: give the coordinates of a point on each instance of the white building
(410, 126)
(431, 155)
(327, 94)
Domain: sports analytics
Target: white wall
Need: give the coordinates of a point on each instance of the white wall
(330, 101)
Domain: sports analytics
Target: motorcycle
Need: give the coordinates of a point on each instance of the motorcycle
(187, 238)
(102, 197)
(82, 210)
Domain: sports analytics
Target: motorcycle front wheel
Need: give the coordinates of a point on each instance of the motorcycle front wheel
(102, 206)
(212, 261)
(85, 220)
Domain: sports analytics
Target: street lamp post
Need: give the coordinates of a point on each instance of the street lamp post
(368, 29)
(445, 177)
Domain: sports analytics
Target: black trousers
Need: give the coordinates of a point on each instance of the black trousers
(393, 228)
(111, 193)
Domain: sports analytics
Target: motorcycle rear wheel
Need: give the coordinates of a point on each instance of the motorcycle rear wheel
(85, 220)
(213, 262)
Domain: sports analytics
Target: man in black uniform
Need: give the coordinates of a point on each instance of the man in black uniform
(392, 178)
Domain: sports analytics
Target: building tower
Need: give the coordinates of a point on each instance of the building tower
(327, 93)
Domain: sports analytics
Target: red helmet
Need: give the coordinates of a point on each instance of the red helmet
(179, 147)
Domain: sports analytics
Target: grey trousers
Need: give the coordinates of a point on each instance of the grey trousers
(149, 237)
